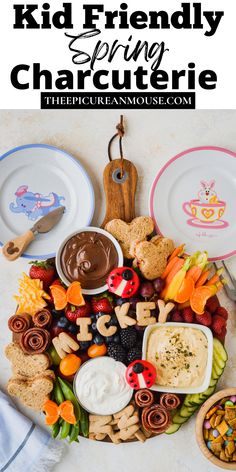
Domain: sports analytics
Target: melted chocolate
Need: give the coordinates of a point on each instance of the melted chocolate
(89, 257)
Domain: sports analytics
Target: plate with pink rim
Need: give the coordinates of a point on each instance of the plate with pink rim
(193, 200)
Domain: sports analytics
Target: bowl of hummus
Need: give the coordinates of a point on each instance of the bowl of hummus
(182, 354)
(88, 256)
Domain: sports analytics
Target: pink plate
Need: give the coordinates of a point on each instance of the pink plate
(193, 201)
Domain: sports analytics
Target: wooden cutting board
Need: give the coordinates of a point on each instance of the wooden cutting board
(120, 190)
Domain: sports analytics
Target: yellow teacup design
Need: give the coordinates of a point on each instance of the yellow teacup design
(205, 212)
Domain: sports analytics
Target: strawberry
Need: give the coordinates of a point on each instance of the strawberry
(103, 303)
(72, 312)
(222, 335)
(218, 325)
(44, 271)
(221, 311)
(176, 317)
(212, 304)
(205, 319)
(188, 315)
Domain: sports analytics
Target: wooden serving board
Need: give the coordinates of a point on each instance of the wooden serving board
(120, 190)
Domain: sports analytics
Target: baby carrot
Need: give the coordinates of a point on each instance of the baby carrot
(178, 251)
(203, 278)
(178, 265)
(194, 272)
(169, 267)
(215, 277)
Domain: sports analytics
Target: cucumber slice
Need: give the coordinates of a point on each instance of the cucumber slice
(217, 369)
(217, 360)
(214, 375)
(187, 411)
(220, 350)
(179, 419)
(173, 428)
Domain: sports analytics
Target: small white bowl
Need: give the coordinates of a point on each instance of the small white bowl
(207, 378)
(88, 229)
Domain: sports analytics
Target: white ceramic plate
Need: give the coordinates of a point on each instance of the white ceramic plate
(193, 201)
(207, 378)
(35, 179)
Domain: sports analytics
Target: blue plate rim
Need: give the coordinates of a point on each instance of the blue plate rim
(77, 162)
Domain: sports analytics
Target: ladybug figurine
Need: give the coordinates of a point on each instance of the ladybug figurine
(123, 281)
(140, 374)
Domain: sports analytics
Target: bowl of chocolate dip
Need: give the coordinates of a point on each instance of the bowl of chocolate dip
(88, 256)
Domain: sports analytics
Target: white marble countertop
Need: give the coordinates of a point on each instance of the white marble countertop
(152, 138)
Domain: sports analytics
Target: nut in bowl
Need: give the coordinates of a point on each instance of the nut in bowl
(182, 354)
(215, 429)
(88, 256)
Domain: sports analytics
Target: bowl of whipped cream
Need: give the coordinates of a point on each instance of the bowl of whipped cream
(100, 386)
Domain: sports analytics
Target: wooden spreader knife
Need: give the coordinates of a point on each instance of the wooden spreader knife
(14, 248)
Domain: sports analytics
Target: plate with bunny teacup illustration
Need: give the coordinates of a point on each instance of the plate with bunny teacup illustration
(193, 199)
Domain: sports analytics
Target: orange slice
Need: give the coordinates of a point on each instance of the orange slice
(185, 291)
(199, 298)
(66, 411)
(74, 294)
(59, 296)
(52, 412)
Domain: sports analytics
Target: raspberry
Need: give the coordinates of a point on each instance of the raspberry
(218, 324)
(221, 311)
(205, 319)
(176, 316)
(188, 315)
(212, 304)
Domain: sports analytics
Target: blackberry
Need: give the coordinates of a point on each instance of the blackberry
(128, 337)
(134, 354)
(117, 352)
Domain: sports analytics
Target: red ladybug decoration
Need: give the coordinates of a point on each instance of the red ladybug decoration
(123, 281)
(140, 374)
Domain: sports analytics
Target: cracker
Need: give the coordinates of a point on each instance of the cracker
(127, 433)
(128, 411)
(122, 316)
(143, 313)
(125, 422)
(164, 310)
(140, 436)
(84, 334)
(103, 329)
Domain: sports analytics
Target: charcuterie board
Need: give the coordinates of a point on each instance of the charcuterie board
(120, 337)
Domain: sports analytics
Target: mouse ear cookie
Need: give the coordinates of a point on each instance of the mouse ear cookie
(127, 233)
(151, 256)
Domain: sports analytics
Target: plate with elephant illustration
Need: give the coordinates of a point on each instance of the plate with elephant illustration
(34, 180)
(193, 200)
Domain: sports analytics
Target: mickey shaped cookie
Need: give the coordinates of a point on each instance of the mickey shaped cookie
(127, 233)
(151, 256)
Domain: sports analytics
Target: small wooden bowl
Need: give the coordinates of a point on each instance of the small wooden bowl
(199, 428)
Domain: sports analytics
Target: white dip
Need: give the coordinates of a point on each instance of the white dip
(179, 354)
(101, 387)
